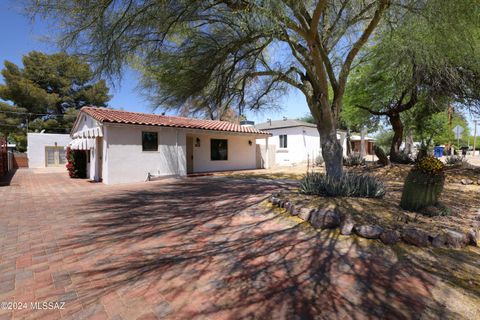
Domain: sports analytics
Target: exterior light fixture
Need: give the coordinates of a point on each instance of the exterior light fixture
(197, 142)
(249, 142)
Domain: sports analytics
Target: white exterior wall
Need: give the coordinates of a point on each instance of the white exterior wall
(241, 155)
(124, 161)
(36, 143)
(303, 143)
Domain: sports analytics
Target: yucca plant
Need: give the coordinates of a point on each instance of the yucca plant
(349, 185)
(423, 185)
(454, 160)
(353, 160)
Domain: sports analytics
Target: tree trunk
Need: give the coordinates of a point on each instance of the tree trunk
(332, 150)
(397, 127)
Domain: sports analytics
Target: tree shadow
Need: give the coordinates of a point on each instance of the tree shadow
(212, 248)
(6, 180)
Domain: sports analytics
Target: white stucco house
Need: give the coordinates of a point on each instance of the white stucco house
(131, 147)
(297, 141)
(47, 149)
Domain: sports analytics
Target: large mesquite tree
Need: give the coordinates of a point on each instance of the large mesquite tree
(240, 53)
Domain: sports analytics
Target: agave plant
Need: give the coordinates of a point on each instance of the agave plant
(349, 185)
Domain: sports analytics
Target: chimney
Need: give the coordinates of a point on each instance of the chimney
(284, 118)
(269, 121)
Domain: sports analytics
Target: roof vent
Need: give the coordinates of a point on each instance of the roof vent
(284, 118)
(269, 121)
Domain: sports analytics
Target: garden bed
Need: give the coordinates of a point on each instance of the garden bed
(463, 201)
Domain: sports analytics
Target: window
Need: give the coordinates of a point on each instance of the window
(149, 141)
(283, 140)
(219, 149)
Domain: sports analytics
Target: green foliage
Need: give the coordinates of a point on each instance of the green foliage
(52, 85)
(353, 160)
(384, 139)
(424, 62)
(349, 185)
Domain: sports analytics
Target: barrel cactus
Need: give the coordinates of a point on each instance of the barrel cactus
(423, 185)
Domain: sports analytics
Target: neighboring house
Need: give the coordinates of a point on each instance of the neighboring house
(356, 143)
(295, 141)
(132, 147)
(46, 149)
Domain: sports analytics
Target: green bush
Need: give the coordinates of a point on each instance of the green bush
(349, 185)
(353, 160)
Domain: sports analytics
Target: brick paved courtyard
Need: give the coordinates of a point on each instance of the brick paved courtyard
(196, 248)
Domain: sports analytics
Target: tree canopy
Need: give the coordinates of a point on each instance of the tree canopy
(427, 61)
(46, 93)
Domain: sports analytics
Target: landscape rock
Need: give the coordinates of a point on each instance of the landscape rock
(346, 227)
(287, 205)
(478, 181)
(455, 239)
(274, 200)
(439, 241)
(293, 210)
(304, 213)
(416, 237)
(324, 218)
(369, 231)
(472, 237)
(390, 236)
(466, 181)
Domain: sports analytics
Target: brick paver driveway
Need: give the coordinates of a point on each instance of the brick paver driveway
(197, 248)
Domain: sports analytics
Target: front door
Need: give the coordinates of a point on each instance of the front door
(189, 154)
(55, 156)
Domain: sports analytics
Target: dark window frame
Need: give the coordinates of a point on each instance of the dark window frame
(283, 142)
(217, 154)
(151, 147)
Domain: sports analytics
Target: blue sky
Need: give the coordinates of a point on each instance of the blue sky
(19, 35)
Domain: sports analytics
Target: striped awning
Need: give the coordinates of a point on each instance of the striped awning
(81, 144)
(89, 133)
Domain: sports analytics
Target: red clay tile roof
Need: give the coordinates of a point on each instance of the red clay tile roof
(117, 116)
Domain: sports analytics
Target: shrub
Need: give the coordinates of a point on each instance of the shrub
(454, 160)
(76, 163)
(402, 158)
(423, 185)
(353, 160)
(349, 185)
(319, 160)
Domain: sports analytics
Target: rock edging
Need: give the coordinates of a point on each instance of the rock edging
(328, 218)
